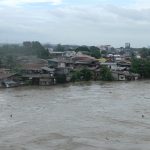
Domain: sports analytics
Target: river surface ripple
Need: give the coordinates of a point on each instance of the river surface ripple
(79, 116)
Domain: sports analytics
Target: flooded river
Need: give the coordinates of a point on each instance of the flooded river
(80, 116)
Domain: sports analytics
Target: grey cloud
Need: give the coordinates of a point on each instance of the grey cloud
(130, 14)
(92, 25)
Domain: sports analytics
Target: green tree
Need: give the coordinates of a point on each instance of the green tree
(59, 48)
(83, 49)
(76, 76)
(1, 63)
(86, 74)
(82, 75)
(61, 78)
(145, 52)
(103, 53)
(39, 50)
(27, 44)
(10, 62)
(141, 66)
(105, 74)
(95, 52)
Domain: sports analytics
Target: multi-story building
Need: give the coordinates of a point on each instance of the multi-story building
(127, 45)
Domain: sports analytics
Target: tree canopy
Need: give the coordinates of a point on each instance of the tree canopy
(144, 52)
(27, 48)
(105, 74)
(141, 66)
(92, 51)
(82, 75)
(95, 52)
(59, 48)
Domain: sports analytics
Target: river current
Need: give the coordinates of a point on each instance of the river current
(77, 116)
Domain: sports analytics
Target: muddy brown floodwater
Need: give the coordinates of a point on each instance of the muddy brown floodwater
(80, 116)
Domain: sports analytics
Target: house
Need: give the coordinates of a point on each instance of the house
(55, 54)
(105, 47)
(80, 61)
(102, 60)
(61, 63)
(111, 65)
(124, 76)
(124, 64)
(57, 63)
(36, 74)
(119, 76)
(69, 53)
(8, 79)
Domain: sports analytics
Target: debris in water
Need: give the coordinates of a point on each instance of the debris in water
(107, 138)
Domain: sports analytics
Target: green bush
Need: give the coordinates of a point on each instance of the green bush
(105, 74)
(76, 76)
(141, 66)
(86, 74)
(61, 78)
(81, 75)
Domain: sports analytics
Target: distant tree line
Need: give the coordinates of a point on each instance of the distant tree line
(9, 52)
(92, 50)
(27, 48)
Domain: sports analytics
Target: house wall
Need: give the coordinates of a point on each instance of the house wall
(52, 63)
(46, 82)
(62, 65)
(62, 71)
(121, 77)
(112, 66)
(115, 76)
(118, 77)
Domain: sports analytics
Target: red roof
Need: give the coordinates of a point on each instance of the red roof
(32, 66)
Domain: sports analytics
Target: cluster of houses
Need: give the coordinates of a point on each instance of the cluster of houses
(120, 67)
(36, 71)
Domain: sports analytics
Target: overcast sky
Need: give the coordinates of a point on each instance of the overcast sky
(90, 22)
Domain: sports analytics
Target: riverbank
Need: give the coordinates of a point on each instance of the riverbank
(76, 83)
